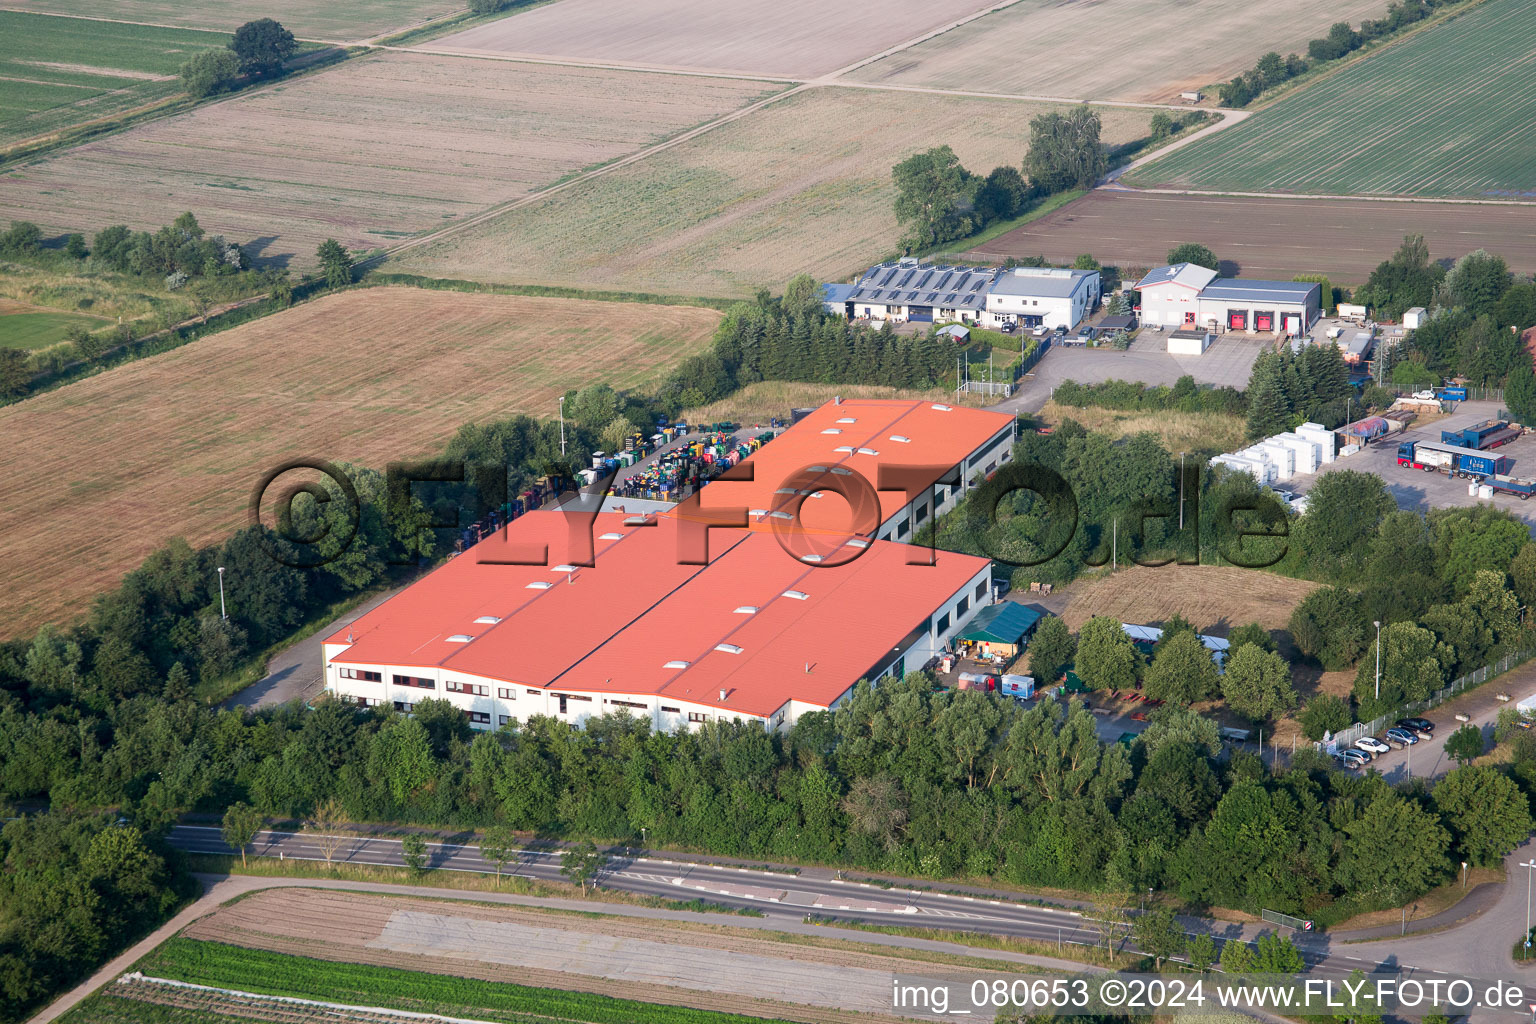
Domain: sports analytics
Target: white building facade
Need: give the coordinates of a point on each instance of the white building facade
(1042, 297)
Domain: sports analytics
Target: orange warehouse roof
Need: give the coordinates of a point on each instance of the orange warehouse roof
(614, 627)
(856, 437)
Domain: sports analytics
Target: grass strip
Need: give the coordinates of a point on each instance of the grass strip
(282, 974)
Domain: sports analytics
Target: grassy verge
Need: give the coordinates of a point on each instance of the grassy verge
(1030, 947)
(1179, 431)
(462, 881)
(1436, 901)
(280, 974)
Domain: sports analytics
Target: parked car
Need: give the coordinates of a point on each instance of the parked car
(1372, 745)
(1088, 333)
(1009, 328)
(1354, 758)
(1403, 737)
(1040, 332)
(1060, 332)
(1423, 726)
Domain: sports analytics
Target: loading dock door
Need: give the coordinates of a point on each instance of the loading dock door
(1264, 322)
(1293, 324)
(923, 314)
(1237, 320)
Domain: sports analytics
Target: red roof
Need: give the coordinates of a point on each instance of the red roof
(817, 454)
(613, 627)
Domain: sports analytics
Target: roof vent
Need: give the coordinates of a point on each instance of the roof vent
(488, 620)
(539, 585)
(676, 663)
(611, 536)
(837, 399)
(460, 638)
(833, 430)
(747, 609)
(797, 595)
(722, 696)
(848, 419)
(901, 439)
(939, 408)
(349, 637)
(727, 649)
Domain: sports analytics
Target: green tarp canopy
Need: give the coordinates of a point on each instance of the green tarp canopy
(1006, 623)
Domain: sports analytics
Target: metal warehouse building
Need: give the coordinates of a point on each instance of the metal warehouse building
(1187, 295)
(716, 610)
(921, 292)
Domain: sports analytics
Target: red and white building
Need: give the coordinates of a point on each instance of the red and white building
(1188, 296)
(793, 605)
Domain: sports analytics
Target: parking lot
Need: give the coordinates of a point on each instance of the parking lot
(1415, 489)
(1227, 363)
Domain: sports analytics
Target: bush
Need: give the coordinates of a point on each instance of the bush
(209, 72)
(1325, 714)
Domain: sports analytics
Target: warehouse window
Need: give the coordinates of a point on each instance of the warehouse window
(454, 686)
(963, 606)
(630, 704)
(943, 622)
(478, 717)
(697, 716)
(363, 674)
(903, 528)
(403, 706)
(675, 711)
(981, 590)
(504, 719)
(417, 681)
(534, 692)
(922, 512)
(506, 693)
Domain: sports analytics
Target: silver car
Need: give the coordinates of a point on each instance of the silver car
(1403, 737)
(1372, 745)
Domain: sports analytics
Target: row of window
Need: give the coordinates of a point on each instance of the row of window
(505, 693)
(416, 681)
(478, 689)
(363, 674)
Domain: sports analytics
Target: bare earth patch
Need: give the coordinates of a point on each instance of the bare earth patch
(788, 38)
(367, 153)
(101, 472)
(1269, 237)
(1214, 598)
(803, 184)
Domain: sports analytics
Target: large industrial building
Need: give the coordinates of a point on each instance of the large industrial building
(926, 293)
(764, 630)
(1191, 296)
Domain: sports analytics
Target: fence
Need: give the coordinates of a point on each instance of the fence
(1347, 737)
(1286, 920)
(987, 387)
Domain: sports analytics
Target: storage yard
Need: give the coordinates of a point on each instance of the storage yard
(802, 185)
(312, 19)
(1417, 118)
(172, 445)
(1418, 489)
(786, 38)
(368, 153)
(1268, 236)
(1113, 49)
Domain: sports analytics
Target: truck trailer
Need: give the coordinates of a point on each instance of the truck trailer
(1450, 459)
(1453, 393)
(1481, 436)
(1509, 485)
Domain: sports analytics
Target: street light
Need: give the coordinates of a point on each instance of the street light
(222, 613)
(1528, 865)
(1463, 874)
(1378, 659)
(562, 424)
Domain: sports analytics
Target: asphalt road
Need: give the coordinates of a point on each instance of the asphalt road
(786, 898)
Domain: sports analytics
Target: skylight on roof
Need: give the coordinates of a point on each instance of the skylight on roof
(833, 430)
(797, 595)
(939, 408)
(858, 542)
(488, 620)
(780, 515)
(813, 557)
(758, 512)
(847, 419)
(676, 663)
(868, 451)
(460, 638)
(539, 585)
(846, 449)
(747, 609)
(728, 648)
(565, 568)
(841, 471)
(611, 536)
(786, 490)
(901, 439)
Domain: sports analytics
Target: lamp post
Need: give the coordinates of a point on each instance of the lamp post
(222, 613)
(1528, 865)
(562, 424)
(1377, 624)
(1463, 874)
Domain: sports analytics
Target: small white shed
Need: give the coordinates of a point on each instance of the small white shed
(1189, 343)
(1415, 317)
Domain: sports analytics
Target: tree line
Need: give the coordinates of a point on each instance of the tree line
(1341, 40)
(1184, 396)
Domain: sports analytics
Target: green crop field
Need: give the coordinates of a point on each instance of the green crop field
(59, 72)
(253, 970)
(1451, 111)
(39, 330)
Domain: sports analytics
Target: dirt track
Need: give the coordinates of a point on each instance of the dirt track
(1263, 237)
(351, 927)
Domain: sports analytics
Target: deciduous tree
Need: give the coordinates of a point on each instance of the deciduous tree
(262, 46)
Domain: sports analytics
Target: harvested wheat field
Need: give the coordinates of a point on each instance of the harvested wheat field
(803, 184)
(367, 153)
(102, 471)
(308, 19)
(1214, 598)
(710, 967)
(1147, 50)
(783, 38)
